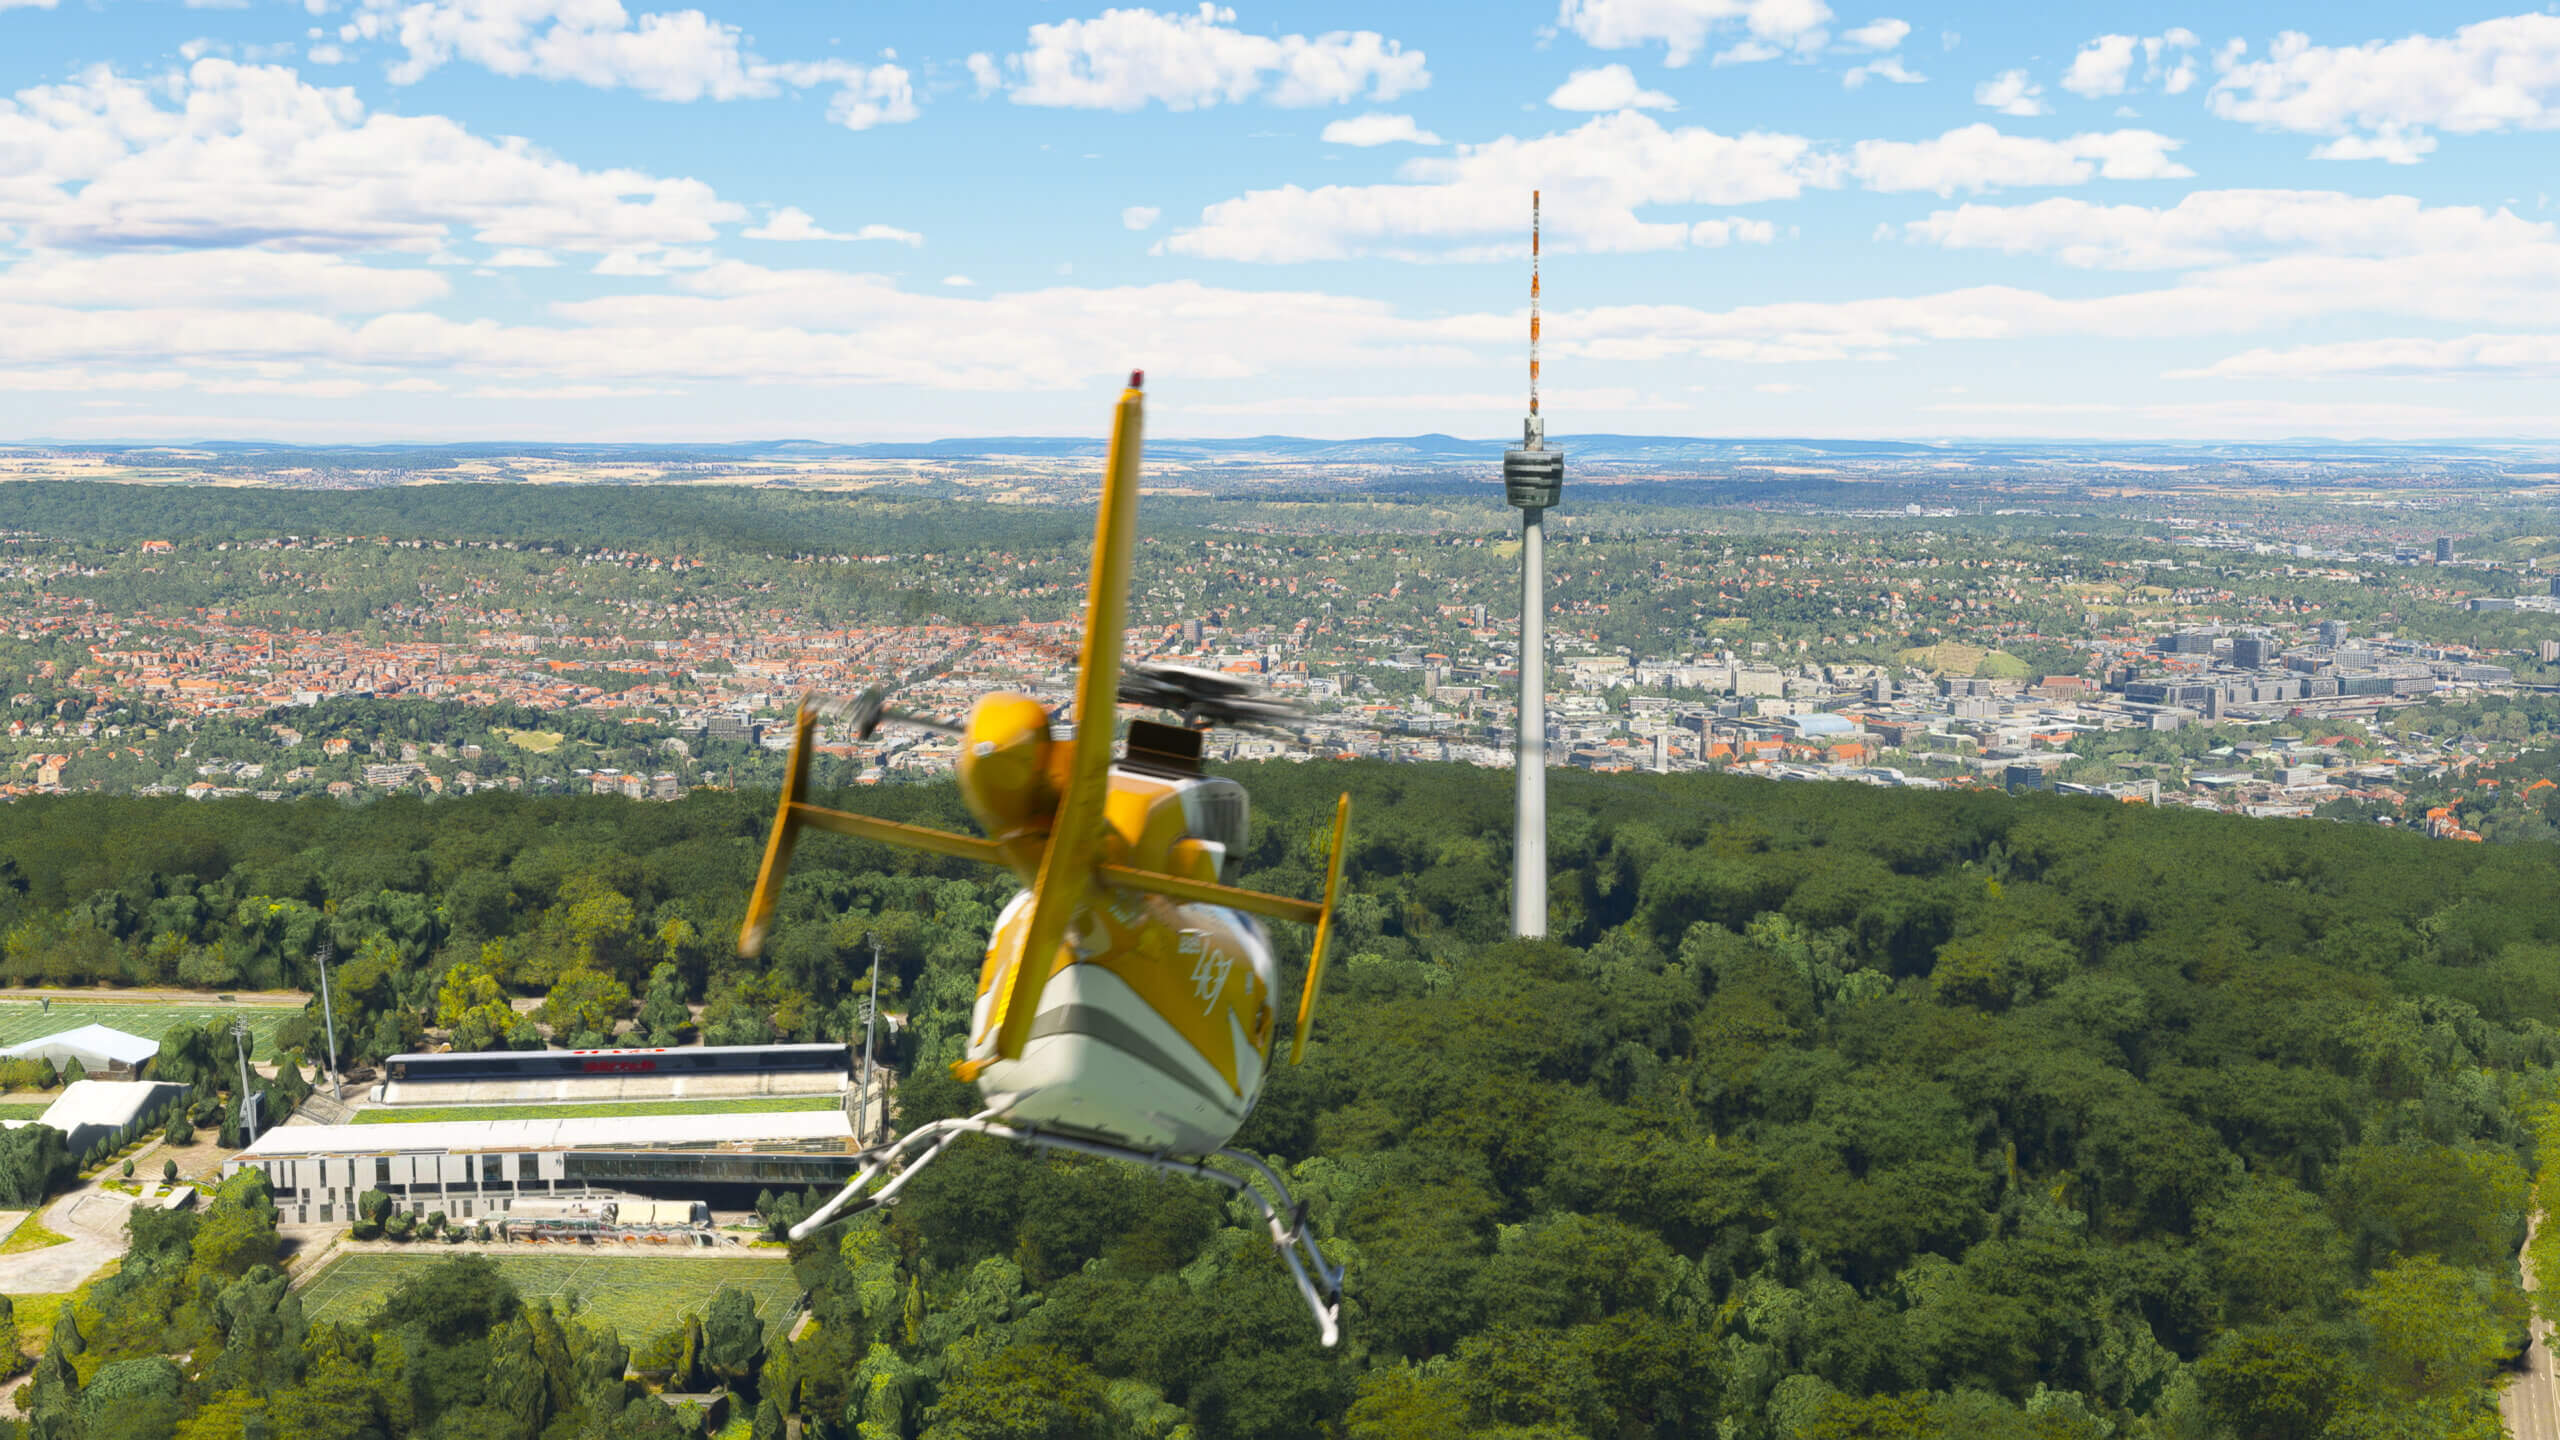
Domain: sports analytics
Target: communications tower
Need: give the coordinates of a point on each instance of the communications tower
(1532, 480)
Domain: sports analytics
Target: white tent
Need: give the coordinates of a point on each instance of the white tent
(99, 1049)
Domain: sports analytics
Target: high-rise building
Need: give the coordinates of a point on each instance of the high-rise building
(2251, 652)
(1532, 481)
(2555, 584)
(2333, 633)
(2444, 550)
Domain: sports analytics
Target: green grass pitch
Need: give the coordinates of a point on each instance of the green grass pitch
(597, 1110)
(640, 1296)
(21, 1110)
(23, 1020)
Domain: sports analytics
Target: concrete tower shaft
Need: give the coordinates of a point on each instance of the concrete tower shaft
(1532, 480)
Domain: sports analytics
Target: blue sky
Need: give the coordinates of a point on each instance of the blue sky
(577, 219)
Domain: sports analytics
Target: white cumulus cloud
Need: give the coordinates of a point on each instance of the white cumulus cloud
(1979, 157)
(230, 155)
(2213, 227)
(1609, 87)
(2520, 356)
(2011, 93)
(1882, 34)
(1140, 217)
(2104, 66)
(1684, 28)
(1129, 59)
(2101, 67)
(793, 223)
(1469, 204)
(679, 55)
(2381, 100)
(1378, 129)
(1716, 234)
(1889, 68)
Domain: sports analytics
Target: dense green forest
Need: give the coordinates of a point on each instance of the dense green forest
(1828, 1112)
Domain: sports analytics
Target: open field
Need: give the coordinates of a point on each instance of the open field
(600, 1110)
(23, 1109)
(22, 1020)
(640, 1296)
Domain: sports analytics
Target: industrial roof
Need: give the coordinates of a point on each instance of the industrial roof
(89, 1039)
(106, 1103)
(619, 1132)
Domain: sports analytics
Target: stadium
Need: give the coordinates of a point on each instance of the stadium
(576, 1147)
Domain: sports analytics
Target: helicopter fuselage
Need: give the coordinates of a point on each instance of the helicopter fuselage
(1156, 1015)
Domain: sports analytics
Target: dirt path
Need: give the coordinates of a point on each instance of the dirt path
(2531, 1402)
(244, 999)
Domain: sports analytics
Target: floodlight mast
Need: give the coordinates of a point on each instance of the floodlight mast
(1532, 481)
(328, 1017)
(240, 1047)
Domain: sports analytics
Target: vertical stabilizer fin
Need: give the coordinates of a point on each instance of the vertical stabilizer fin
(1066, 870)
(786, 835)
(1324, 930)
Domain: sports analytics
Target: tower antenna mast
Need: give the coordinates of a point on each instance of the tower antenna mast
(1532, 481)
(1533, 308)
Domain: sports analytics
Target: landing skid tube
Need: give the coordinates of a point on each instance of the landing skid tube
(1322, 1290)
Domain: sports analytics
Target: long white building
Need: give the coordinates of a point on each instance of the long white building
(473, 1169)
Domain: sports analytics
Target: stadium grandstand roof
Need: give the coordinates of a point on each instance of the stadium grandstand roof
(720, 1131)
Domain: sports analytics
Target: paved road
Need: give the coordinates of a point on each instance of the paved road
(94, 1221)
(2531, 1404)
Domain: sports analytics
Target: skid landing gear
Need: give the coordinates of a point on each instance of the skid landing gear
(1319, 1281)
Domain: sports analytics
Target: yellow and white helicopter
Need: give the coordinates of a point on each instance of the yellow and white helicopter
(1126, 1008)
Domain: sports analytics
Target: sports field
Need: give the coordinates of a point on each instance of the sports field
(22, 1020)
(640, 1296)
(597, 1110)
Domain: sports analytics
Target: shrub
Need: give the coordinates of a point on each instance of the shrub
(128, 1169)
(365, 1230)
(169, 1172)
